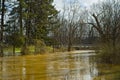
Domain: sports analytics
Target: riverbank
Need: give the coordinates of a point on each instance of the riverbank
(83, 51)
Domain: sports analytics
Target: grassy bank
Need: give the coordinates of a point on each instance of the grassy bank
(108, 72)
(109, 54)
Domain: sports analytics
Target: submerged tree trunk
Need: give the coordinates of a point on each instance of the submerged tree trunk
(69, 45)
(13, 50)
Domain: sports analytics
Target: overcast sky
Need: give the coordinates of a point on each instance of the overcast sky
(84, 3)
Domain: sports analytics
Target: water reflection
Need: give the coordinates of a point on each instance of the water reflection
(83, 69)
(53, 67)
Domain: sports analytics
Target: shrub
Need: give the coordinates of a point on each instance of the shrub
(25, 50)
(40, 47)
(109, 54)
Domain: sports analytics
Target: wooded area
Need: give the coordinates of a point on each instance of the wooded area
(38, 23)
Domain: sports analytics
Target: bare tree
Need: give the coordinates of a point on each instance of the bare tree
(107, 21)
(71, 25)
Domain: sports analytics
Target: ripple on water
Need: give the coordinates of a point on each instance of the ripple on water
(65, 66)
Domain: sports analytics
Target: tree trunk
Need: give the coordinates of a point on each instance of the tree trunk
(2, 27)
(69, 48)
(69, 45)
(20, 11)
(13, 50)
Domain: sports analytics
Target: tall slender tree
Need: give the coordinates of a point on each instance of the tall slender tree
(21, 16)
(2, 26)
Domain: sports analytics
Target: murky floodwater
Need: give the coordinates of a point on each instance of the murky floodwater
(61, 66)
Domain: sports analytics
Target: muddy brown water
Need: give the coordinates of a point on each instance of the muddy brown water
(62, 66)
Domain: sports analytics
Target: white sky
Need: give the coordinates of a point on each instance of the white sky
(84, 3)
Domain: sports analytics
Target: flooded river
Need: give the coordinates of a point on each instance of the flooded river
(61, 66)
